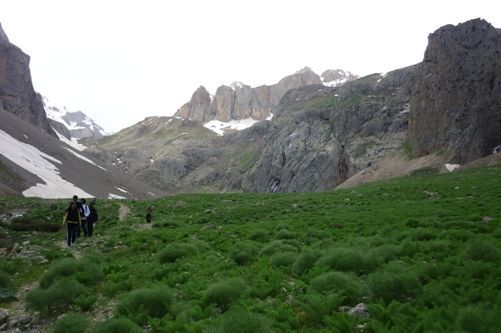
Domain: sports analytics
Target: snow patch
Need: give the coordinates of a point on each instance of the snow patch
(335, 83)
(121, 190)
(115, 196)
(220, 127)
(25, 136)
(451, 167)
(38, 163)
(236, 85)
(152, 194)
(72, 143)
(84, 158)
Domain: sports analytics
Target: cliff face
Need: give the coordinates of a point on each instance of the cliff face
(320, 136)
(16, 88)
(240, 101)
(456, 93)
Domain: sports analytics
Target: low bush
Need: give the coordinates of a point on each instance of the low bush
(71, 323)
(484, 251)
(346, 284)
(25, 223)
(117, 325)
(305, 261)
(58, 297)
(140, 304)
(6, 286)
(285, 259)
(242, 321)
(175, 251)
(479, 319)
(224, 293)
(243, 253)
(394, 281)
(349, 260)
(277, 246)
(318, 306)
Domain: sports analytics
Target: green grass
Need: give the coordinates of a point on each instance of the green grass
(417, 250)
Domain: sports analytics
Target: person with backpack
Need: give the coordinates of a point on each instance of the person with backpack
(85, 212)
(92, 218)
(79, 206)
(149, 213)
(73, 221)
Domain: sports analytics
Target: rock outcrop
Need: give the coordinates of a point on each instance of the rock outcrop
(336, 77)
(455, 105)
(240, 101)
(16, 88)
(320, 136)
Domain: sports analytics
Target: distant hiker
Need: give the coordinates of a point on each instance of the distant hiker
(149, 213)
(73, 221)
(92, 218)
(79, 206)
(85, 213)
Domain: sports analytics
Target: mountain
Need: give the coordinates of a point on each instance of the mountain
(73, 125)
(330, 129)
(16, 88)
(456, 93)
(239, 101)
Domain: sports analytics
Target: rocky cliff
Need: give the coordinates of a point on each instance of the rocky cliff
(240, 101)
(456, 94)
(320, 136)
(16, 88)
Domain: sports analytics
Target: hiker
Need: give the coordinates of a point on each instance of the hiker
(73, 221)
(79, 206)
(85, 213)
(92, 218)
(149, 213)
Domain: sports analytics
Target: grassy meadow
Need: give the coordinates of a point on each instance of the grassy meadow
(423, 253)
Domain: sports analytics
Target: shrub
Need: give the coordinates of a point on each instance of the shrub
(140, 304)
(175, 251)
(71, 323)
(478, 319)
(242, 321)
(224, 293)
(305, 261)
(6, 286)
(25, 223)
(243, 253)
(317, 306)
(345, 284)
(59, 296)
(87, 270)
(484, 251)
(118, 325)
(285, 234)
(277, 246)
(394, 281)
(285, 259)
(349, 260)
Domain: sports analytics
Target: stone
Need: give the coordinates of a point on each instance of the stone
(360, 310)
(487, 219)
(4, 315)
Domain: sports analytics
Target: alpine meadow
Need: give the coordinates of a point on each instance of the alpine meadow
(414, 254)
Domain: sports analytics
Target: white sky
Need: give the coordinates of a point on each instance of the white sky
(121, 61)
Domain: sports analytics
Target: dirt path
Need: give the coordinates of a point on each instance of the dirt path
(123, 211)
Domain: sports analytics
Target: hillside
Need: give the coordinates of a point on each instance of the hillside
(414, 254)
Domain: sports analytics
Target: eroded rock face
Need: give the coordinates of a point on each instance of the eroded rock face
(16, 88)
(241, 101)
(455, 106)
(320, 136)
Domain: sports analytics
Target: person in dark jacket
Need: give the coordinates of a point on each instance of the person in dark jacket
(79, 206)
(149, 213)
(73, 222)
(84, 214)
(92, 218)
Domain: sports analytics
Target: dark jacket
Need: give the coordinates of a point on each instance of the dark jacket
(93, 217)
(72, 216)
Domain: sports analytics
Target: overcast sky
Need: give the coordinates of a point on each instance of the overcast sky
(121, 61)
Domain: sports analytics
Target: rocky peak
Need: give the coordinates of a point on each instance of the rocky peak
(336, 77)
(17, 95)
(197, 108)
(3, 36)
(456, 93)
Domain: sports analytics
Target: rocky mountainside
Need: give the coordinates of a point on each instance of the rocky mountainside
(240, 101)
(16, 88)
(336, 77)
(34, 163)
(320, 136)
(456, 93)
(71, 124)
